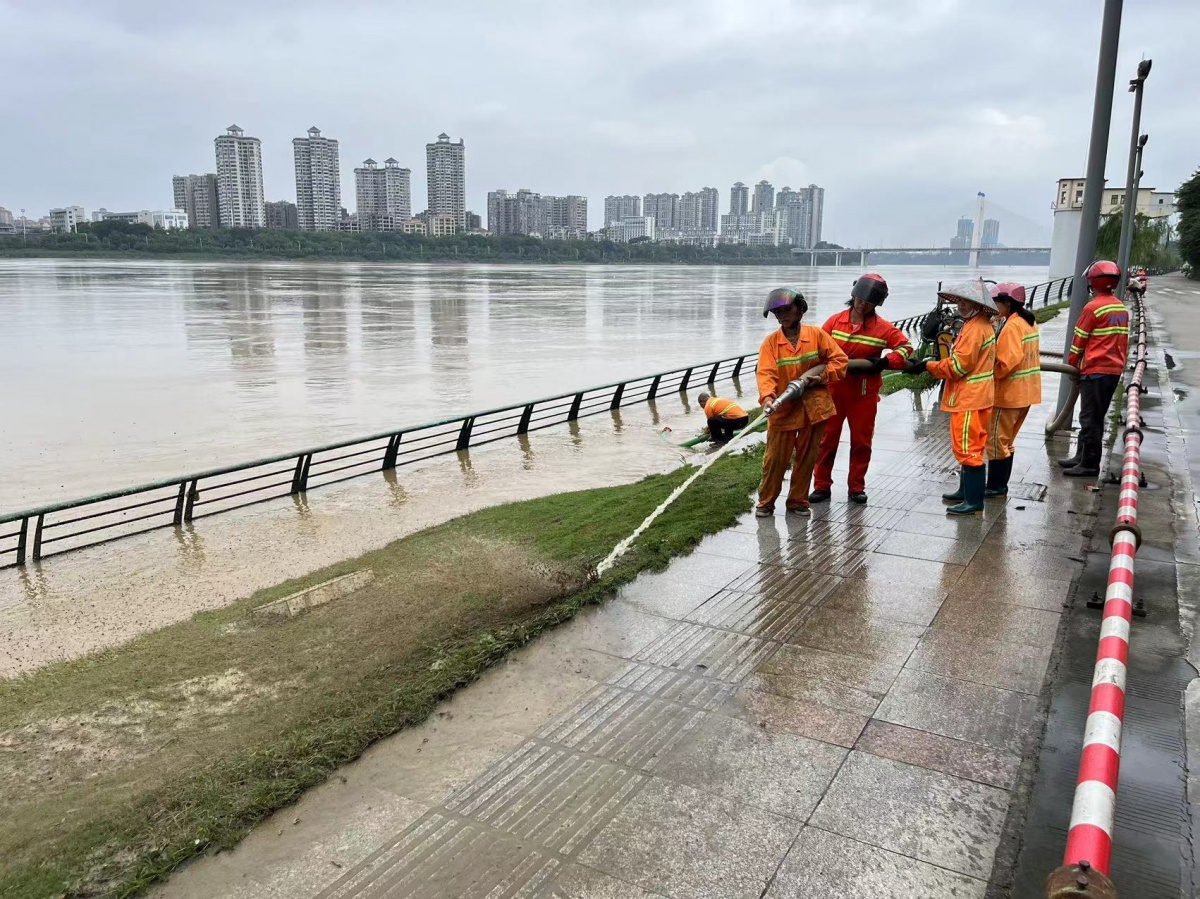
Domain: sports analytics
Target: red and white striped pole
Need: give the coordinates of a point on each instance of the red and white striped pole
(1088, 854)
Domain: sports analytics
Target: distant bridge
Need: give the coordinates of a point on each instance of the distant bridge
(860, 256)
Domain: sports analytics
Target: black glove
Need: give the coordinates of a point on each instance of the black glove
(916, 367)
(880, 363)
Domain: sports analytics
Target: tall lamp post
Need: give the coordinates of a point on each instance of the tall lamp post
(1133, 175)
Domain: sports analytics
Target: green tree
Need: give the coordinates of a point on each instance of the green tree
(1187, 201)
(1149, 248)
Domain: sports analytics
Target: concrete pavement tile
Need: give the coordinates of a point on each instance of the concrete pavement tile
(615, 628)
(913, 603)
(816, 691)
(740, 545)
(824, 865)
(213, 875)
(978, 586)
(1000, 719)
(809, 662)
(685, 843)
(917, 747)
(890, 571)
(841, 533)
(573, 881)
(707, 652)
(796, 716)
(939, 524)
(777, 771)
(667, 598)
(677, 687)
(754, 614)
(791, 584)
(705, 570)
(957, 551)
(990, 623)
(842, 561)
(1010, 666)
(834, 630)
(926, 815)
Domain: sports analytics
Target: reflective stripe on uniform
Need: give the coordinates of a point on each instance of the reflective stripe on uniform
(982, 376)
(966, 433)
(1025, 373)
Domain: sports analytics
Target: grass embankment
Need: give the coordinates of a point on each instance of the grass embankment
(116, 768)
(893, 383)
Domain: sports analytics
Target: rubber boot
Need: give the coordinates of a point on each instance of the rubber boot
(973, 478)
(1072, 462)
(998, 473)
(957, 496)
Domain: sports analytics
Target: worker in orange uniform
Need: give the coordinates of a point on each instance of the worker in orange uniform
(725, 417)
(862, 334)
(794, 427)
(1018, 379)
(1098, 350)
(969, 390)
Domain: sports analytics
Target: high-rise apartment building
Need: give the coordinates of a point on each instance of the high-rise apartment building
(801, 210)
(197, 196)
(619, 208)
(991, 233)
(710, 209)
(526, 212)
(966, 232)
(318, 181)
(698, 213)
(383, 195)
(565, 218)
(447, 173)
(239, 180)
(739, 199)
(281, 216)
(664, 208)
(764, 197)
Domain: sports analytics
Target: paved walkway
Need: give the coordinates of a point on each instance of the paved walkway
(842, 706)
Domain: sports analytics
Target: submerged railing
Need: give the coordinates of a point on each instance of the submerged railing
(36, 533)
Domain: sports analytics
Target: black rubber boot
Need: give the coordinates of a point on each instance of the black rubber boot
(819, 496)
(1083, 470)
(973, 478)
(957, 495)
(998, 473)
(859, 498)
(1070, 463)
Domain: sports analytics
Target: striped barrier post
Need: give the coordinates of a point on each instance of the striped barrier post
(1088, 855)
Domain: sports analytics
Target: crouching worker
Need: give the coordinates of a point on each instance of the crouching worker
(807, 355)
(969, 391)
(725, 417)
(1018, 382)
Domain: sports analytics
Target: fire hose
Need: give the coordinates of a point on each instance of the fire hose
(1088, 853)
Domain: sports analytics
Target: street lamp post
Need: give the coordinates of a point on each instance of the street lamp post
(1132, 176)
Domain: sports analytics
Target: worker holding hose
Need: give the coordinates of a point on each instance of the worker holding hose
(862, 334)
(725, 417)
(969, 391)
(1018, 379)
(795, 365)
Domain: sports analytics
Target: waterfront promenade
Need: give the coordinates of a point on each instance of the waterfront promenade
(848, 706)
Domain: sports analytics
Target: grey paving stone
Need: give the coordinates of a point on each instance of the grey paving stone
(926, 815)
(833, 630)
(977, 586)
(1001, 719)
(707, 652)
(825, 865)
(740, 545)
(841, 533)
(992, 622)
(939, 524)
(884, 570)
(682, 842)
(778, 582)
(871, 675)
(1049, 562)
(705, 570)
(797, 716)
(663, 596)
(917, 747)
(614, 628)
(957, 551)
(912, 603)
(777, 771)
(842, 561)
(673, 686)
(572, 881)
(754, 614)
(1010, 666)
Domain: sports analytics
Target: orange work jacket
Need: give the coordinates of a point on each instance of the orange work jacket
(866, 341)
(781, 361)
(968, 370)
(1101, 337)
(1018, 365)
(716, 407)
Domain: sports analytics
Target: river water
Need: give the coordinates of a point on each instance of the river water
(118, 373)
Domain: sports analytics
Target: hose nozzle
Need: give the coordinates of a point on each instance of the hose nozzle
(789, 393)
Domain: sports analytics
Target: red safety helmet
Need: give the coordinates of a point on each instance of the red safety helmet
(1103, 274)
(870, 287)
(784, 296)
(1009, 290)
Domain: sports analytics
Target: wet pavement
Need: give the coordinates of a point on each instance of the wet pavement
(851, 705)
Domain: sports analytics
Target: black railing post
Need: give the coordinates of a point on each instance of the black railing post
(37, 537)
(178, 519)
(523, 426)
(712, 375)
(21, 538)
(654, 386)
(574, 413)
(1061, 287)
(393, 450)
(189, 504)
(300, 475)
(737, 369)
(616, 400)
(464, 435)
(683, 385)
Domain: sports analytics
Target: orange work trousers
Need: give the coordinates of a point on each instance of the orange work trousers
(858, 411)
(1005, 425)
(799, 450)
(969, 435)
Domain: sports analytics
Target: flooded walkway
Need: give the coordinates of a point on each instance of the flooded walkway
(817, 708)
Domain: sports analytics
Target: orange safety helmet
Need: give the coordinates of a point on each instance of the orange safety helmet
(1103, 274)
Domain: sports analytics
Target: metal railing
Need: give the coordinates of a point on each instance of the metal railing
(61, 527)
(1049, 292)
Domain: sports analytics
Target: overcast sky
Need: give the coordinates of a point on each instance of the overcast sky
(901, 109)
